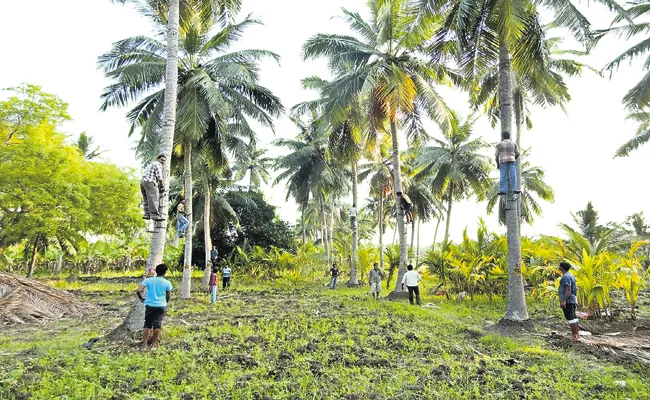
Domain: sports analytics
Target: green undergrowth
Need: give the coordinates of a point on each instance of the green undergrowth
(284, 342)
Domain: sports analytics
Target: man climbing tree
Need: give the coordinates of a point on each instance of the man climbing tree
(153, 188)
(353, 216)
(507, 153)
(406, 203)
(181, 221)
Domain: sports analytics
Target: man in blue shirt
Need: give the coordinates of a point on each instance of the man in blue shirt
(158, 294)
(567, 292)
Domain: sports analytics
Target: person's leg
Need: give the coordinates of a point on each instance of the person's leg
(145, 202)
(213, 294)
(155, 339)
(223, 281)
(334, 283)
(153, 199)
(410, 288)
(145, 338)
(503, 178)
(157, 327)
(228, 282)
(184, 222)
(417, 295)
(512, 168)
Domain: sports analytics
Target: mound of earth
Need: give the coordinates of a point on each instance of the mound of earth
(25, 300)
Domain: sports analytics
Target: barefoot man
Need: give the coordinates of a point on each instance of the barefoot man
(567, 292)
(158, 295)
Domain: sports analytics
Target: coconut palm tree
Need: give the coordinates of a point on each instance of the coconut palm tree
(217, 93)
(455, 167)
(85, 143)
(253, 162)
(480, 37)
(383, 70)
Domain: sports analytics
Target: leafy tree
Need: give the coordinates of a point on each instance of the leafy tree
(253, 162)
(48, 192)
(258, 225)
(587, 222)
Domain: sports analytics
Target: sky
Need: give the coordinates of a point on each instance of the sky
(55, 44)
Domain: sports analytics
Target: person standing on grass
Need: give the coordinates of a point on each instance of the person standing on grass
(567, 292)
(213, 286)
(412, 279)
(334, 273)
(375, 281)
(214, 254)
(225, 276)
(158, 295)
(153, 188)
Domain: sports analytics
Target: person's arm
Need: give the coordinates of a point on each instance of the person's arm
(516, 151)
(159, 178)
(496, 155)
(567, 293)
(139, 291)
(168, 295)
(403, 281)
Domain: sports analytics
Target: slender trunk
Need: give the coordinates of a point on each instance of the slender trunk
(397, 182)
(435, 233)
(518, 121)
(302, 222)
(331, 232)
(354, 279)
(412, 239)
(516, 308)
(250, 180)
(186, 283)
(394, 235)
(207, 240)
(133, 321)
(324, 228)
(417, 246)
(445, 241)
(32, 262)
(59, 263)
(381, 232)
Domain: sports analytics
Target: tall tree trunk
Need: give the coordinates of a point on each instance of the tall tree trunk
(250, 180)
(417, 246)
(518, 122)
(445, 241)
(324, 228)
(302, 222)
(134, 319)
(435, 233)
(354, 279)
(397, 182)
(32, 262)
(330, 234)
(186, 283)
(381, 232)
(207, 240)
(59, 263)
(516, 308)
(412, 237)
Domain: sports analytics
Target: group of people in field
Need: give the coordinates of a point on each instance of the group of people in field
(158, 289)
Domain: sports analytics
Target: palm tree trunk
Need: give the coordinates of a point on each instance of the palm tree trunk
(186, 283)
(250, 180)
(516, 308)
(412, 236)
(518, 122)
(302, 222)
(324, 228)
(354, 279)
(435, 233)
(59, 263)
(32, 262)
(445, 241)
(331, 231)
(381, 232)
(417, 246)
(207, 239)
(133, 321)
(397, 182)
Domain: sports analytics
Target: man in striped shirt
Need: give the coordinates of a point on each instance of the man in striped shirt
(152, 188)
(507, 154)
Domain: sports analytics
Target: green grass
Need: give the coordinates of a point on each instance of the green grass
(278, 341)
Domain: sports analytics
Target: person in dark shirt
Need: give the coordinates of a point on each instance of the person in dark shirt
(334, 273)
(567, 292)
(407, 205)
(214, 254)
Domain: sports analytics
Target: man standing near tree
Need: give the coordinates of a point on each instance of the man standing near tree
(158, 295)
(507, 154)
(411, 280)
(375, 278)
(567, 292)
(153, 188)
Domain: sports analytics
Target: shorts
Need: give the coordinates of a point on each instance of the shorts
(375, 287)
(408, 208)
(570, 313)
(153, 317)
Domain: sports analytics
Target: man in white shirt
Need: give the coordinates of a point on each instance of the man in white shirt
(411, 279)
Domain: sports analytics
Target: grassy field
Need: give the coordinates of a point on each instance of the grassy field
(286, 342)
